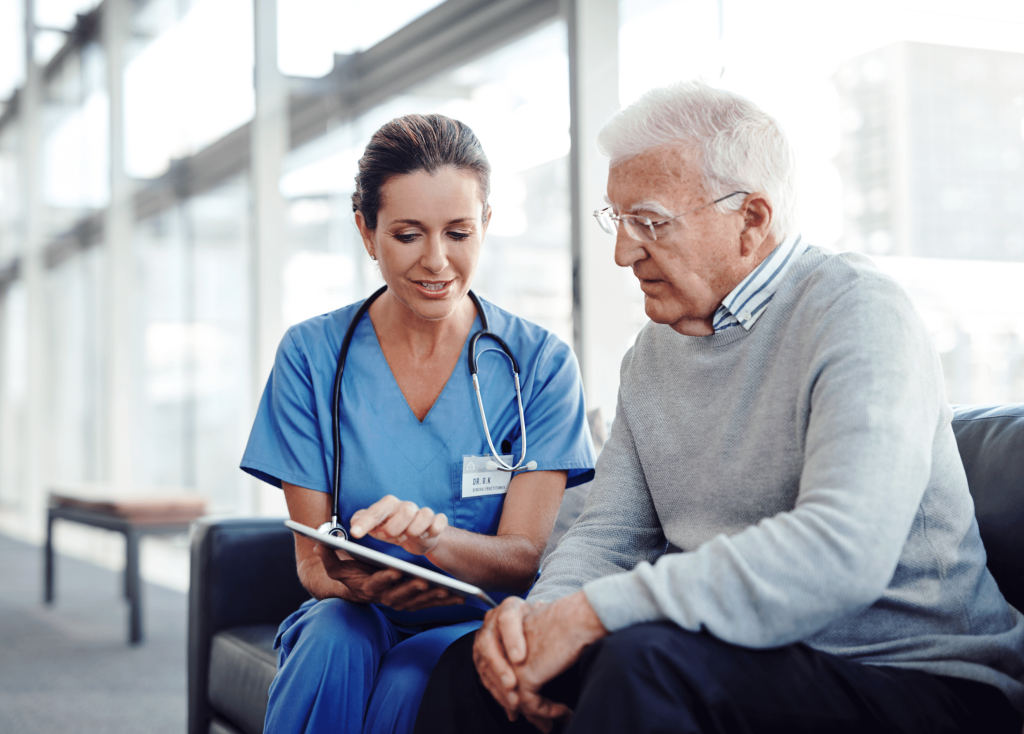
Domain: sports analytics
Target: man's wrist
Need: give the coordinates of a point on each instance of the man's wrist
(584, 625)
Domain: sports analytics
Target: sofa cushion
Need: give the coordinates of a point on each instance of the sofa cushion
(242, 666)
(219, 726)
(991, 442)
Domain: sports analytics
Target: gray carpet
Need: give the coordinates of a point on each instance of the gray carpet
(67, 668)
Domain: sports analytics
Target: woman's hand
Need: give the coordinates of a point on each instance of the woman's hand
(416, 529)
(367, 585)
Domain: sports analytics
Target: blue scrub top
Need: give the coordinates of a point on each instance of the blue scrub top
(387, 450)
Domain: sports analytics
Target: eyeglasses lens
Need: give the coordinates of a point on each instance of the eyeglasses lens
(604, 218)
(639, 230)
(636, 229)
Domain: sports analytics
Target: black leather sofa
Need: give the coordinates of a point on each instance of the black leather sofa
(243, 580)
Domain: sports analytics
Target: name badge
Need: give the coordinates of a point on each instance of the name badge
(479, 481)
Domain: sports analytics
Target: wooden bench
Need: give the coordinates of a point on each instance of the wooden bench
(133, 517)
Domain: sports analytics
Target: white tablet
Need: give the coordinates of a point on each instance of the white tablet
(383, 560)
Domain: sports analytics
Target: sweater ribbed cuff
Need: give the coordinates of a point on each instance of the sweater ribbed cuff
(622, 600)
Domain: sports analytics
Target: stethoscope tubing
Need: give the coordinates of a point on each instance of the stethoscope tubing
(336, 403)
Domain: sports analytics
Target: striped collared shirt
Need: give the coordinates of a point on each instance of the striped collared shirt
(747, 301)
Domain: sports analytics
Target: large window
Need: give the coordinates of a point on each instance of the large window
(13, 389)
(189, 81)
(516, 101)
(55, 20)
(75, 155)
(77, 387)
(194, 345)
(908, 124)
(12, 49)
(11, 199)
(907, 118)
(311, 32)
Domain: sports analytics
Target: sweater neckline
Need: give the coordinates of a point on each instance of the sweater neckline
(711, 341)
(704, 344)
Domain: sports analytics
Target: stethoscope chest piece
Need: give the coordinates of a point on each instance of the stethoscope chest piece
(332, 527)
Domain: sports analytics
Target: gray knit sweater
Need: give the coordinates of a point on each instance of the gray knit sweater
(809, 474)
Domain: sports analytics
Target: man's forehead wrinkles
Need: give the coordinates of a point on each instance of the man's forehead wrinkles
(659, 192)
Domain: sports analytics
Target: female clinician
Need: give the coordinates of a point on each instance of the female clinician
(357, 656)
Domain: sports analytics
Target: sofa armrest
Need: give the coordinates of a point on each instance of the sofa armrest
(991, 443)
(242, 573)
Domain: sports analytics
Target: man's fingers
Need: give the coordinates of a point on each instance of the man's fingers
(545, 725)
(542, 712)
(492, 656)
(510, 627)
(495, 673)
(546, 708)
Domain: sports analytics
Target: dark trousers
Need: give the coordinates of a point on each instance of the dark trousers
(657, 677)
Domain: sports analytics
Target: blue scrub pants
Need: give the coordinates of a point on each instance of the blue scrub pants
(345, 667)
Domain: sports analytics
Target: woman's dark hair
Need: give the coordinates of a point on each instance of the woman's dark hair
(416, 143)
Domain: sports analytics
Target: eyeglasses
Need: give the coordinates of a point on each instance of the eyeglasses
(642, 228)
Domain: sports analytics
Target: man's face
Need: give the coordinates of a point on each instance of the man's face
(697, 260)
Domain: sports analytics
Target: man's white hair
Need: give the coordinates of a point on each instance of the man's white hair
(740, 147)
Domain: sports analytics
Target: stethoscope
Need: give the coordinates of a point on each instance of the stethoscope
(332, 526)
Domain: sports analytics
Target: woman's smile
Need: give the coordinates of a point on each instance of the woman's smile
(434, 288)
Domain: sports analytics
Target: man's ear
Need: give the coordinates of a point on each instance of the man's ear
(758, 216)
(367, 234)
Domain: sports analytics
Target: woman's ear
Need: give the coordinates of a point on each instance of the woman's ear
(488, 210)
(367, 234)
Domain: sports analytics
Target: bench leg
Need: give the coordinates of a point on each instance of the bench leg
(48, 561)
(133, 586)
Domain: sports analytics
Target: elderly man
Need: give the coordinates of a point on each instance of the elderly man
(780, 535)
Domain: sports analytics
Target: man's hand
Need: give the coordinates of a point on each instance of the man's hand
(499, 643)
(368, 585)
(521, 647)
(416, 529)
(555, 636)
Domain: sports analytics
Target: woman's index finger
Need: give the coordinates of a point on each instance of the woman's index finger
(363, 521)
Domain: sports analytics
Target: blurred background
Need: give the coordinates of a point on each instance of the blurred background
(175, 181)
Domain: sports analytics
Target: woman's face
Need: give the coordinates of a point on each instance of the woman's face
(428, 238)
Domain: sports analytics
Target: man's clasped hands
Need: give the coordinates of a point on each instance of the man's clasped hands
(523, 646)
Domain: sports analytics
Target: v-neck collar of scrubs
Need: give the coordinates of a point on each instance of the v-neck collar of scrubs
(443, 422)
(462, 360)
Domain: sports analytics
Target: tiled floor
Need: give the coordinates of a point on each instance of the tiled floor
(68, 668)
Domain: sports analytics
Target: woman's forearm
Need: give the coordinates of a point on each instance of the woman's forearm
(313, 577)
(509, 560)
(499, 562)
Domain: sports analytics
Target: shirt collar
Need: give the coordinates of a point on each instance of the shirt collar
(748, 300)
